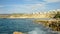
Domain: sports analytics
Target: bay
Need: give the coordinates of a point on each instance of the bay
(8, 26)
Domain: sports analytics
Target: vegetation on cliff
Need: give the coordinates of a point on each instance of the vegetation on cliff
(57, 15)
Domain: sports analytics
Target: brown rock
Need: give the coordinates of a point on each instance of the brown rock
(17, 33)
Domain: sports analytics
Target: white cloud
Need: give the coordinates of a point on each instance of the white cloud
(27, 8)
(1, 6)
(51, 1)
(37, 7)
(43, 1)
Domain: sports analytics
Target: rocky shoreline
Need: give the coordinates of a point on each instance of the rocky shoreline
(54, 24)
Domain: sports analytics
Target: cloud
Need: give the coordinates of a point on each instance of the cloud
(37, 7)
(1, 6)
(34, 7)
(51, 1)
(41, 1)
(26, 8)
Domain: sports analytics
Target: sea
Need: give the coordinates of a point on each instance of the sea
(25, 25)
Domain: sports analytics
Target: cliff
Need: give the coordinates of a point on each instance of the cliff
(39, 15)
(27, 16)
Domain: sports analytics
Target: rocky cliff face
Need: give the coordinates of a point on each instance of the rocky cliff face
(33, 16)
(28, 16)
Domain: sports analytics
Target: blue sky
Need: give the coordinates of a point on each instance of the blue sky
(28, 6)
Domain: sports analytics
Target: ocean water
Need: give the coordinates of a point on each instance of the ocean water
(8, 26)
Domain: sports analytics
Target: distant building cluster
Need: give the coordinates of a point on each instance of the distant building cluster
(47, 12)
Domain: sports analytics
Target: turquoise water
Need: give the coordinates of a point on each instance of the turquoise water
(8, 26)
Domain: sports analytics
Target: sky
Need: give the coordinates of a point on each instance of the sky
(27, 6)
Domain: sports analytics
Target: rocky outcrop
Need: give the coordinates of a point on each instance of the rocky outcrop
(54, 24)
